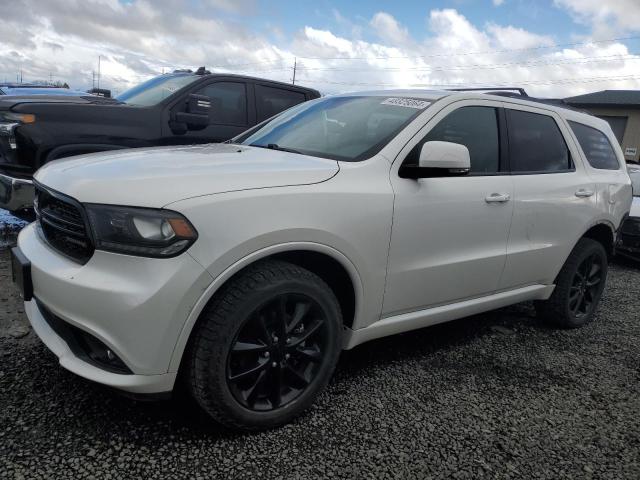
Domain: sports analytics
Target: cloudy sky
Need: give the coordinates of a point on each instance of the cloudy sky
(550, 47)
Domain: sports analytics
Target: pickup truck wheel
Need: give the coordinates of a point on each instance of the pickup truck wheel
(265, 346)
(579, 286)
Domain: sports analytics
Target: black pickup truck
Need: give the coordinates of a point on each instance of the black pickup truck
(182, 107)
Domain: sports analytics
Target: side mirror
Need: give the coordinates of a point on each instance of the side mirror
(439, 159)
(197, 115)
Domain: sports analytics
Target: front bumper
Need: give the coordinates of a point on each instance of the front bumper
(135, 306)
(15, 193)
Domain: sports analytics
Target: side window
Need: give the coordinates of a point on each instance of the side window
(474, 127)
(270, 100)
(596, 147)
(228, 102)
(536, 143)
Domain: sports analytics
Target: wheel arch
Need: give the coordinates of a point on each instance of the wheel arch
(603, 232)
(328, 263)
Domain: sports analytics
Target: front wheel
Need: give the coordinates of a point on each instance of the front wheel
(579, 286)
(266, 346)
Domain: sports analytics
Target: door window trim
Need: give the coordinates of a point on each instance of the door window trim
(503, 156)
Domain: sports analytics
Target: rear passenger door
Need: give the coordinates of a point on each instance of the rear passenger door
(554, 197)
(271, 100)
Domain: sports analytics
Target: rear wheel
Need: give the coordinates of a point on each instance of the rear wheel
(579, 286)
(266, 346)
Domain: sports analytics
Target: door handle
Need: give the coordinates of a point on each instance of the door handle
(497, 198)
(584, 193)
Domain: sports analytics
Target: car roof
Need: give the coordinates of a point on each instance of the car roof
(566, 111)
(182, 73)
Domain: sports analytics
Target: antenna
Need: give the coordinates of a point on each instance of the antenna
(295, 64)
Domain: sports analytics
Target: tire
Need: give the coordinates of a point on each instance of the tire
(265, 346)
(575, 299)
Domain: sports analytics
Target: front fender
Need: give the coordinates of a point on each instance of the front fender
(247, 260)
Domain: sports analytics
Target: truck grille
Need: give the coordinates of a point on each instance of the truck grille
(63, 225)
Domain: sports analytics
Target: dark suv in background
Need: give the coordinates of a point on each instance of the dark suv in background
(182, 107)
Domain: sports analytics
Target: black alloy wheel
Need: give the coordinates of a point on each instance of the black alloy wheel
(585, 287)
(265, 346)
(578, 286)
(278, 352)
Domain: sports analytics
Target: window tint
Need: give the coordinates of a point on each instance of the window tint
(596, 147)
(474, 127)
(270, 101)
(536, 143)
(228, 102)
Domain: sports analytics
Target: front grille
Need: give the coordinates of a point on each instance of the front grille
(63, 225)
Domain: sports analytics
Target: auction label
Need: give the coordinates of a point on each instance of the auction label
(407, 102)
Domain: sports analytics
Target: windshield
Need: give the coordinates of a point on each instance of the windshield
(155, 90)
(340, 128)
(634, 173)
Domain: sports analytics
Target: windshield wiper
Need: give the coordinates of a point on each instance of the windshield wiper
(275, 146)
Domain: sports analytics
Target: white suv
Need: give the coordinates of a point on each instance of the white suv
(245, 268)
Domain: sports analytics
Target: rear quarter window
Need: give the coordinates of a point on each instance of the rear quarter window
(596, 147)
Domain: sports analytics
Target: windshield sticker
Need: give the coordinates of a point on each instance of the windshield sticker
(407, 102)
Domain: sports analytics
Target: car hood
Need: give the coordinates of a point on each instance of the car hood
(8, 102)
(155, 177)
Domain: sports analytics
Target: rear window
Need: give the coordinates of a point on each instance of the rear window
(270, 101)
(536, 144)
(596, 147)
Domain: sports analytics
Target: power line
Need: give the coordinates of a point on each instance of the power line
(480, 66)
(499, 84)
(436, 55)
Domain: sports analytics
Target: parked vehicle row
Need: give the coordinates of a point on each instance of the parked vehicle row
(243, 269)
(183, 107)
(629, 244)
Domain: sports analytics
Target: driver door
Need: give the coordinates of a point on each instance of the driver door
(231, 112)
(449, 235)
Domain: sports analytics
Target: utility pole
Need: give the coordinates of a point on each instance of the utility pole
(295, 64)
(51, 78)
(99, 71)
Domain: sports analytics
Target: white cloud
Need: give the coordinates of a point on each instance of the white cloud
(606, 17)
(140, 39)
(389, 30)
(497, 3)
(513, 38)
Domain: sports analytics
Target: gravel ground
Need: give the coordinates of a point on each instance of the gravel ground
(9, 228)
(492, 396)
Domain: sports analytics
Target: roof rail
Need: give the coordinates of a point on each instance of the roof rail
(491, 89)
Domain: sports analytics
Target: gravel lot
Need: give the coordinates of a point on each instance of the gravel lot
(492, 396)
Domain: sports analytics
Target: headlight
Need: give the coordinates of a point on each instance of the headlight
(9, 121)
(145, 232)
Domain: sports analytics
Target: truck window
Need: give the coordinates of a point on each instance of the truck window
(596, 147)
(270, 100)
(228, 102)
(536, 144)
